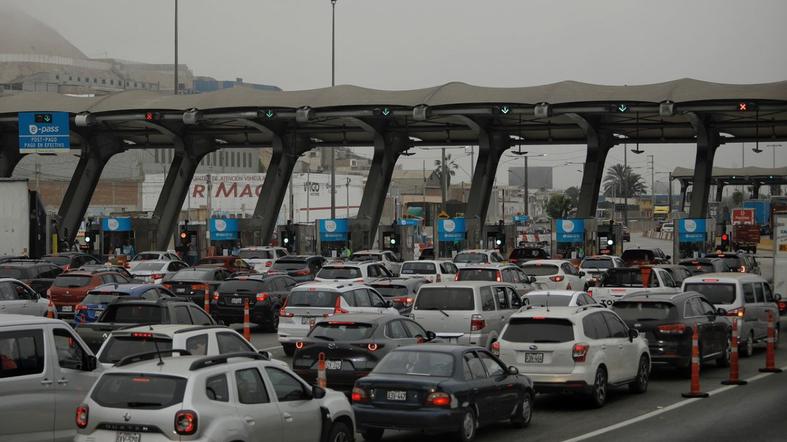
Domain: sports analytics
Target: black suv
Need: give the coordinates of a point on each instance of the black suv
(521, 255)
(37, 274)
(265, 294)
(637, 257)
(71, 260)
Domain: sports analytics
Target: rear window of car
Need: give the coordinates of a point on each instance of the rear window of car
(545, 300)
(133, 314)
(132, 390)
(101, 298)
(477, 275)
(10, 272)
(595, 263)
(528, 253)
(58, 260)
(341, 331)
(696, 267)
(71, 281)
(540, 269)
(626, 278)
(418, 268)
(416, 363)
(317, 298)
(339, 273)
(388, 290)
(717, 294)
(146, 257)
(734, 262)
(256, 254)
(445, 298)
(638, 255)
(366, 257)
(149, 266)
(539, 330)
(241, 286)
(289, 264)
(117, 348)
(471, 258)
(189, 275)
(645, 311)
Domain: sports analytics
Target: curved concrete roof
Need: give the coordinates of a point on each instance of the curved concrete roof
(21, 33)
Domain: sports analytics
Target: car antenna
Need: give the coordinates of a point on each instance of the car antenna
(155, 344)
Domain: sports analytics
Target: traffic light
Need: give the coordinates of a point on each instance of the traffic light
(394, 242)
(725, 242)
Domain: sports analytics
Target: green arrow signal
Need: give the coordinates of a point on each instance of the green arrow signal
(386, 111)
(505, 109)
(623, 108)
(269, 113)
(47, 118)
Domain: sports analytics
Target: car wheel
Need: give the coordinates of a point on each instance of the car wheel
(373, 435)
(340, 433)
(747, 347)
(273, 326)
(640, 384)
(598, 395)
(289, 349)
(524, 412)
(725, 356)
(469, 425)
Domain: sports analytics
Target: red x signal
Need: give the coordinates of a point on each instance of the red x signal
(743, 107)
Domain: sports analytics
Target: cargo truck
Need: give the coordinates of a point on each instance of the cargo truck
(23, 220)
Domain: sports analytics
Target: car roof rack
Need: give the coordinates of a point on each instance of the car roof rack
(149, 355)
(222, 359)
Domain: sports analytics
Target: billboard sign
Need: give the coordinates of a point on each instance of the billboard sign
(223, 229)
(452, 229)
(780, 235)
(44, 132)
(333, 229)
(692, 230)
(743, 216)
(570, 230)
(116, 224)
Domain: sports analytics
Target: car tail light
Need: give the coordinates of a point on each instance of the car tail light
(672, 329)
(580, 352)
(216, 295)
(157, 276)
(477, 323)
(167, 285)
(66, 267)
(739, 312)
(590, 292)
(269, 263)
(456, 277)
(496, 348)
(743, 269)
(556, 278)
(141, 335)
(186, 422)
(499, 277)
(80, 307)
(337, 309)
(438, 399)
(82, 415)
(359, 395)
(372, 347)
(782, 305)
(304, 272)
(262, 297)
(283, 313)
(299, 345)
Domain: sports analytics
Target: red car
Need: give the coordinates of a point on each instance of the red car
(68, 289)
(232, 263)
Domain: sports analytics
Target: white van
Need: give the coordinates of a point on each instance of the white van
(744, 295)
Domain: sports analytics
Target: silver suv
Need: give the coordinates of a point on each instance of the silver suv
(239, 396)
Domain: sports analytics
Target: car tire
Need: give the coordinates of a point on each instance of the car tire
(373, 434)
(289, 349)
(524, 412)
(640, 384)
(469, 426)
(273, 326)
(747, 347)
(598, 392)
(340, 432)
(724, 358)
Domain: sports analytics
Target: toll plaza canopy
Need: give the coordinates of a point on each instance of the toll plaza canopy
(737, 175)
(450, 114)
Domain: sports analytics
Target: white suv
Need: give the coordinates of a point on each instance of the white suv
(478, 256)
(555, 274)
(261, 258)
(585, 349)
(351, 271)
(238, 396)
(385, 257)
(431, 270)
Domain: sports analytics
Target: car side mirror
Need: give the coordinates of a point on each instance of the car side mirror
(581, 274)
(318, 392)
(513, 371)
(388, 304)
(265, 355)
(90, 363)
(633, 334)
(531, 279)
(721, 312)
(430, 335)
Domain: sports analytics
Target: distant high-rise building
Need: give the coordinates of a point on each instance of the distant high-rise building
(537, 177)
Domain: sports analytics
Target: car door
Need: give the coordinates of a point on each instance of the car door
(362, 303)
(9, 299)
(397, 334)
(618, 348)
(30, 300)
(694, 314)
(260, 415)
(505, 395)
(73, 377)
(483, 389)
(495, 321)
(719, 325)
(229, 342)
(26, 386)
(751, 315)
(380, 303)
(301, 414)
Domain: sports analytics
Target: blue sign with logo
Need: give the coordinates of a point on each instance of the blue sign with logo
(116, 224)
(521, 218)
(409, 222)
(333, 229)
(692, 229)
(44, 132)
(223, 229)
(570, 230)
(451, 229)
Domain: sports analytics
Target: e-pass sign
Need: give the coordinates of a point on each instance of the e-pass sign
(44, 132)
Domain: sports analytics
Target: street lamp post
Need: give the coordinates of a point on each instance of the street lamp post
(333, 83)
(176, 48)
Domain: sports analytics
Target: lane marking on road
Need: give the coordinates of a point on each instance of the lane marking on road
(654, 413)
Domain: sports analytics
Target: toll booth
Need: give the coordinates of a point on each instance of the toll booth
(574, 238)
(191, 239)
(399, 238)
(333, 236)
(115, 236)
(224, 234)
(298, 239)
(610, 238)
(501, 237)
(451, 236)
(695, 237)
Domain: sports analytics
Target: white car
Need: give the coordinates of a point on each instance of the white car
(152, 256)
(239, 396)
(586, 349)
(594, 267)
(555, 274)
(386, 257)
(478, 256)
(17, 298)
(156, 271)
(557, 298)
(199, 340)
(351, 271)
(432, 271)
(308, 302)
(261, 258)
(668, 227)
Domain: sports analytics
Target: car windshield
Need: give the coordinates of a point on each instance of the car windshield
(548, 300)
(189, 275)
(418, 268)
(71, 281)
(339, 273)
(341, 331)
(646, 311)
(416, 363)
(289, 265)
(717, 294)
(366, 257)
(546, 330)
(308, 298)
(101, 298)
(596, 263)
(11, 272)
(134, 390)
(540, 269)
(445, 298)
(471, 258)
(133, 314)
(391, 290)
(256, 254)
(149, 266)
(117, 348)
(58, 260)
(477, 275)
(147, 257)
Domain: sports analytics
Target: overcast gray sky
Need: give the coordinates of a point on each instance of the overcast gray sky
(403, 44)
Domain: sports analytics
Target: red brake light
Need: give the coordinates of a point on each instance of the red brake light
(739, 312)
(141, 335)
(496, 348)
(262, 297)
(580, 352)
(477, 323)
(372, 347)
(299, 345)
(556, 278)
(80, 307)
(157, 275)
(186, 422)
(743, 269)
(337, 309)
(456, 277)
(438, 399)
(672, 329)
(66, 267)
(82, 416)
(499, 277)
(359, 395)
(269, 263)
(590, 292)
(304, 272)
(216, 295)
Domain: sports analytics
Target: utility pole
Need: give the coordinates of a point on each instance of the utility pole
(176, 47)
(652, 186)
(333, 83)
(526, 196)
(443, 179)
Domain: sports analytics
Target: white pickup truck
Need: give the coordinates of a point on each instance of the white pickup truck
(619, 282)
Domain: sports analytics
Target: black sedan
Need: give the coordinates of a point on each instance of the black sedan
(440, 389)
(265, 293)
(400, 291)
(301, 268)
(667, 320)
(353, 344)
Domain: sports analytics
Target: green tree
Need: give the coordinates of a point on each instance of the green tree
(737, 198)
(623, 182)
(437, 172)
(558, 206)
(573, 194)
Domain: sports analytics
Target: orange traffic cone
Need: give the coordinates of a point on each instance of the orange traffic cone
(734, 369)
(770, 355)
(322, 381)
(50, 309)
(695, 367)
(246, 321)
(206, 302)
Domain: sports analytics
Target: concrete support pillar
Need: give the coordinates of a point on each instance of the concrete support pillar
(755, 191)
(707, 142)
(96, 152)
(9, 155)
(287, 147)
(189, 151)
(491, 146)
(387, 147)
(719, 192)
(599, 144)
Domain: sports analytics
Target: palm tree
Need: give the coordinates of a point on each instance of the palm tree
(437, 172)
(623, 182)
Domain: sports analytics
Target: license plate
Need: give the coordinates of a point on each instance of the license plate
(128, 437)
(534, 358)
(180, 290)
(396, 395)
(333, 365)
(237, 300)
(67, 308)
